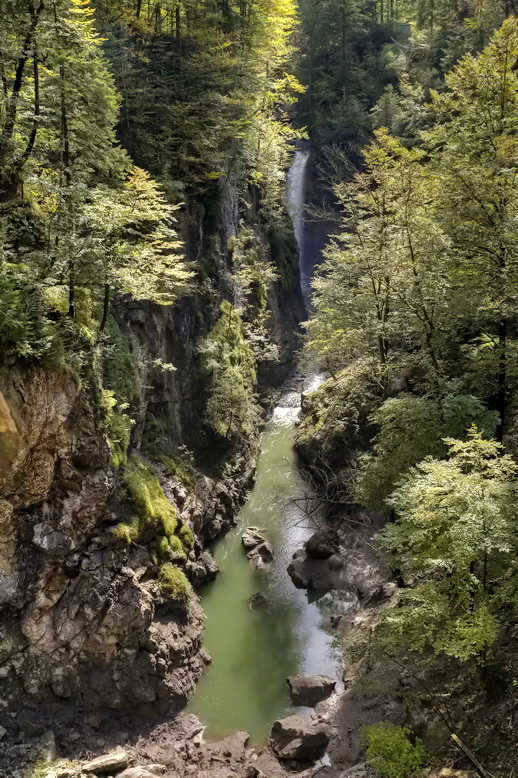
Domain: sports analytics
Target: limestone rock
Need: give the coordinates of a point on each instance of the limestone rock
(107, 763)
(309, 689)
(298, 738)
(350, 570)
(322, 544)
(136, 772)
(261, 555)
(252, 537)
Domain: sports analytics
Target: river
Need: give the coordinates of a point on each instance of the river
(254, 650)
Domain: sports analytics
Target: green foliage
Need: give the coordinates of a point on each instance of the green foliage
(411, 428)
(454, 541)
(79, 219)
(336, 414)
(25, 330)
(173, 583)
(118, 427)
(230, 368)
(180, 467)
(390, 750)
(253, 277)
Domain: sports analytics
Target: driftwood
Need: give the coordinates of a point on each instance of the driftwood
(471, 756)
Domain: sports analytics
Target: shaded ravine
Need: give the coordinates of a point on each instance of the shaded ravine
(253, 651)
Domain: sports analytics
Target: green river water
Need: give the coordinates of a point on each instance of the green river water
(254, 651)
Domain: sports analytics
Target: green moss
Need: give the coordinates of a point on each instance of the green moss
(154, 438)
(169, 538)
(128, 531)
(148, 496)
(173, 582)
(179, 468)
(187, 536)
(43, 769)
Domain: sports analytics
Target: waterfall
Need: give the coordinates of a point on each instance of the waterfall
(295, 193)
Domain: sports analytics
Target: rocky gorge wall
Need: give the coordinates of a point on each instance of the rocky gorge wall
(84, 622)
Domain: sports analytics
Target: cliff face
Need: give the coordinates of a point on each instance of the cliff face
(82, 617)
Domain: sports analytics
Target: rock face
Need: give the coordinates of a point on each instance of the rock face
(307, 690)
(298, 738)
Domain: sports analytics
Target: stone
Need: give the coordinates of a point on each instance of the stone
(322, 544)
(261, 555)
(351, 570)
(361, 770)
(107, 763)
(257, 600)
(136, 772)
(298, 738)
(252, 538)
(94, 719)
(309, 689)
(47, 747)
(3, 732)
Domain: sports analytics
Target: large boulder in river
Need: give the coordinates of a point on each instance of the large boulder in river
(354, 569)
(261, 555)
(309, 689)
(252, 537)
(323, 544)
(298, 738)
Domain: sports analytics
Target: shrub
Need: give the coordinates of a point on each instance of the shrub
(173, 582)
(25, 331)
(390, 751)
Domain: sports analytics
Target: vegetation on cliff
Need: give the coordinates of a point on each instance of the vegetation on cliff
(415, 322)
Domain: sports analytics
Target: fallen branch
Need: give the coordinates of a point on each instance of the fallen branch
(471, 756)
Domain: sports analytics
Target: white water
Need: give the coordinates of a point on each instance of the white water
(295, 193)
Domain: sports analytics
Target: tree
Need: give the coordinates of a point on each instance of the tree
(473, 148)
(455, 542)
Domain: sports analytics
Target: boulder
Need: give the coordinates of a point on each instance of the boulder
(257, 600)
(261, 555)
(252, 537)
(309, 689)
(353, 569)
(298, 738)
(137, 772)
(322, 544)
(107, 763)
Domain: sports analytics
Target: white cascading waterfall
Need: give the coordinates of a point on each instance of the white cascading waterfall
(295, 193)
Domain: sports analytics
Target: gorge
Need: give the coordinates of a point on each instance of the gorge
(258, 397)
